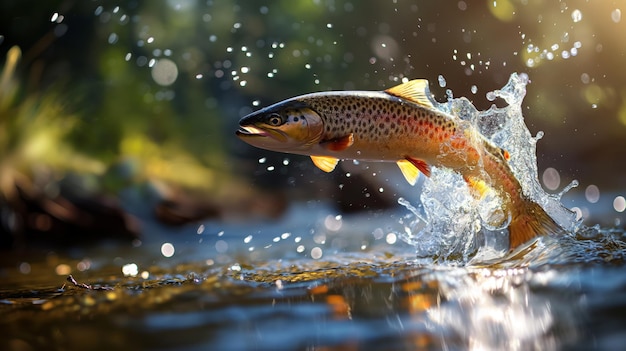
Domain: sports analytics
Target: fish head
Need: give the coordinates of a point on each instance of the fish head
(290, 126)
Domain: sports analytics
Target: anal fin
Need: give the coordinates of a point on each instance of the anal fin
(409, 171)
(325, 163)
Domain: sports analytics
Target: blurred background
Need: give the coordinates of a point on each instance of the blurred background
(114, 113)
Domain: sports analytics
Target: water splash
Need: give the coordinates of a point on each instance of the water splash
(458, 227)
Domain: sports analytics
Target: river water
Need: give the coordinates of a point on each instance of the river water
(222, 290)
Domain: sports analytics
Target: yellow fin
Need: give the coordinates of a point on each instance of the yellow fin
(325, 163)
(414, 90)
(409, 171)
(479, 186)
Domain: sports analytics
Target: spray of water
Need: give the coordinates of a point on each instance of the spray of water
(455, 226)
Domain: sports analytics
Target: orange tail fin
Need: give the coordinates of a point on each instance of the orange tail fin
(530, 221)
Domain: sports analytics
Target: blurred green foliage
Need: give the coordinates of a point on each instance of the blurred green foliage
(100, 58)
(33, 131)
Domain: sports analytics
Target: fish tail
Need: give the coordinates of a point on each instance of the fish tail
(530, 221)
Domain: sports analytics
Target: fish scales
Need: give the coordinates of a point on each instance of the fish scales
(373, 118)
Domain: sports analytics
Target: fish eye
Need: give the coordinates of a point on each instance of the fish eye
(505, 154)
(275, 120)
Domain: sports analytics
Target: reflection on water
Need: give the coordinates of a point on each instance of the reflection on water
(555, 293)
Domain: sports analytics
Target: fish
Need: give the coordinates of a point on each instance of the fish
(400, 125)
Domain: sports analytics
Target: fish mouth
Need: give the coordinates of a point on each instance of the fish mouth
(249, 131)
(256, 132)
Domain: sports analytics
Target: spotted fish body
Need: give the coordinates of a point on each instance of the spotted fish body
(396, 125)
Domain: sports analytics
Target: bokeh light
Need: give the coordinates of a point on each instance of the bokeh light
(167, 250)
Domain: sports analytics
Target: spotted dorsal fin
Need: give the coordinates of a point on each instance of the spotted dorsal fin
(413, 90)
(325, 163)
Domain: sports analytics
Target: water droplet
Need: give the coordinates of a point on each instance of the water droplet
(167, 250)
(316, 253)
(442, 81)
(551, 178)
(578, 212)
(577, 16)
(131, 269)
(584, 78)
(474, 89)
(112, 38)
(592, 193)
(221, 246)
(616, 15)
(164, 71)
(619, 204)
(24, 268)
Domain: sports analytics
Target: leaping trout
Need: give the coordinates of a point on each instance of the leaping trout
(398, 125)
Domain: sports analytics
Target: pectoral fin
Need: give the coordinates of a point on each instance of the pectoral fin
(325, 163)
(339, 144)
(415, 90)
(410, 172)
